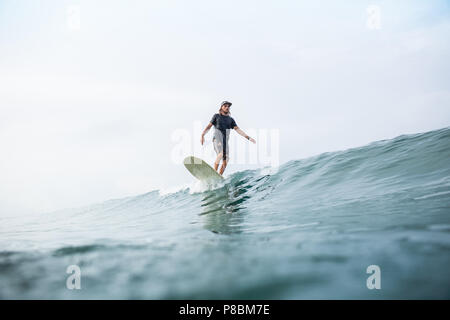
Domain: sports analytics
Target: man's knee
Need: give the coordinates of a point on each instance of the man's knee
(219, 157)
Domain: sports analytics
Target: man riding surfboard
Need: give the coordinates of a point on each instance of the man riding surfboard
(223, 123)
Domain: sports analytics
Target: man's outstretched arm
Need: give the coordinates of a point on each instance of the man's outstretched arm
(242, 133)
(202, 139)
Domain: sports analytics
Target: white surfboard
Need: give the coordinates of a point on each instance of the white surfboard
(201, 170)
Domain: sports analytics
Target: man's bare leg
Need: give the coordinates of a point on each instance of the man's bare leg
(224, 165)
(216, 163)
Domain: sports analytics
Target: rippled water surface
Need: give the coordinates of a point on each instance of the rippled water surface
(309, 230)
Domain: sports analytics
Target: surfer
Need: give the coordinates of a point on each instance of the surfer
(222, 123)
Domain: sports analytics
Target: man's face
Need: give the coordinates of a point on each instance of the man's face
(226, 108)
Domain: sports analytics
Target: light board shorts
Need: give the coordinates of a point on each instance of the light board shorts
(218, 142)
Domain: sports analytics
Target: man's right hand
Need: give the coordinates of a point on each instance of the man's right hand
(202, 139)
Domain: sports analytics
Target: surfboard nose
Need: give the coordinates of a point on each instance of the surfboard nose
(201, 170)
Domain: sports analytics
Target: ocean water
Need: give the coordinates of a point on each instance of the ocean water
(307, 231)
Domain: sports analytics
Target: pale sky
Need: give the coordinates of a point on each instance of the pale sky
(88, 114)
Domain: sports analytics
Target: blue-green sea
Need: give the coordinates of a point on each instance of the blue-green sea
(308, 230)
